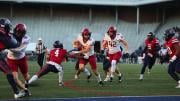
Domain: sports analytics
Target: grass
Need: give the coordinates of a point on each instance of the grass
(158, 82)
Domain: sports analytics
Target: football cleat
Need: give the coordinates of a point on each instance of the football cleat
(141, 77)
(101, 83)
(106, 79)
(88, 78)
(19, 95)
(178, 86)
(111, 79)
(27, 93)
(119, 79)
(76, 77)
(61, 84)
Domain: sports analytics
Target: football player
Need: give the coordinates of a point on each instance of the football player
(77, 47)
(56, 57)
(173, 46)
(16, 57)
(87, 50)
(151, 50)
(112, 42)
(107, 68)
(7, 42)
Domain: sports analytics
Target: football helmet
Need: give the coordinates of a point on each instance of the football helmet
(112, 29)
(168, 34)
(86, 33)
(150, 36)
(5, 25)
(58, 44)
(20, 29)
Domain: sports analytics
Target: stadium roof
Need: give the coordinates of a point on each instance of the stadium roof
(94, 2)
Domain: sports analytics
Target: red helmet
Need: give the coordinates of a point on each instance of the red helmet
(20, 29)
(86, 31)
(112, 29)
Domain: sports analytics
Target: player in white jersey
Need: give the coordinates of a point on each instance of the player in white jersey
(16, 57)
(77, 47)
(87, 49)
(112, 42)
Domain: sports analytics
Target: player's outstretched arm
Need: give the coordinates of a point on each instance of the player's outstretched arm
(124, 42)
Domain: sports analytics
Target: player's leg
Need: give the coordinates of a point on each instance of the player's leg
(151, 63)
(6, 69)
(171, 71)
(61, 73)
(23, 66)
(107, 68)
(177, 69)
(82, 63)
(86, 71)
(76, 68)
(119, 74)
(13, 64)
(40, 60)
(145, 63)
(107, 75)
(57, 69)
(45, 70)
(115, 58)
(113, 68)
(81, 69)
(92, 62)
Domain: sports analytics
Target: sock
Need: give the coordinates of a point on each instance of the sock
(34, 78)
(26, 84)
(12, 82)
(107, 76)
(86, 71)
(61, 76)
(119, 74)
(111, 75)
(99, 78)
(113, 66)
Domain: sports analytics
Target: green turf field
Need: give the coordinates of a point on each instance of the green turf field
(157, 82)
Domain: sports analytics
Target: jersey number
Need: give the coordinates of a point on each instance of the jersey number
(112, 43)
(57, 52)
(169, 50)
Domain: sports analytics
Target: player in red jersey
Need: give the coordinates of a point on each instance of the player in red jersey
(16, 57)
(7, 41)
(151, 50)
(56, 57)
(173, 46)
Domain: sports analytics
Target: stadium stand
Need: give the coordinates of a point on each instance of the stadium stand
(64, 22)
